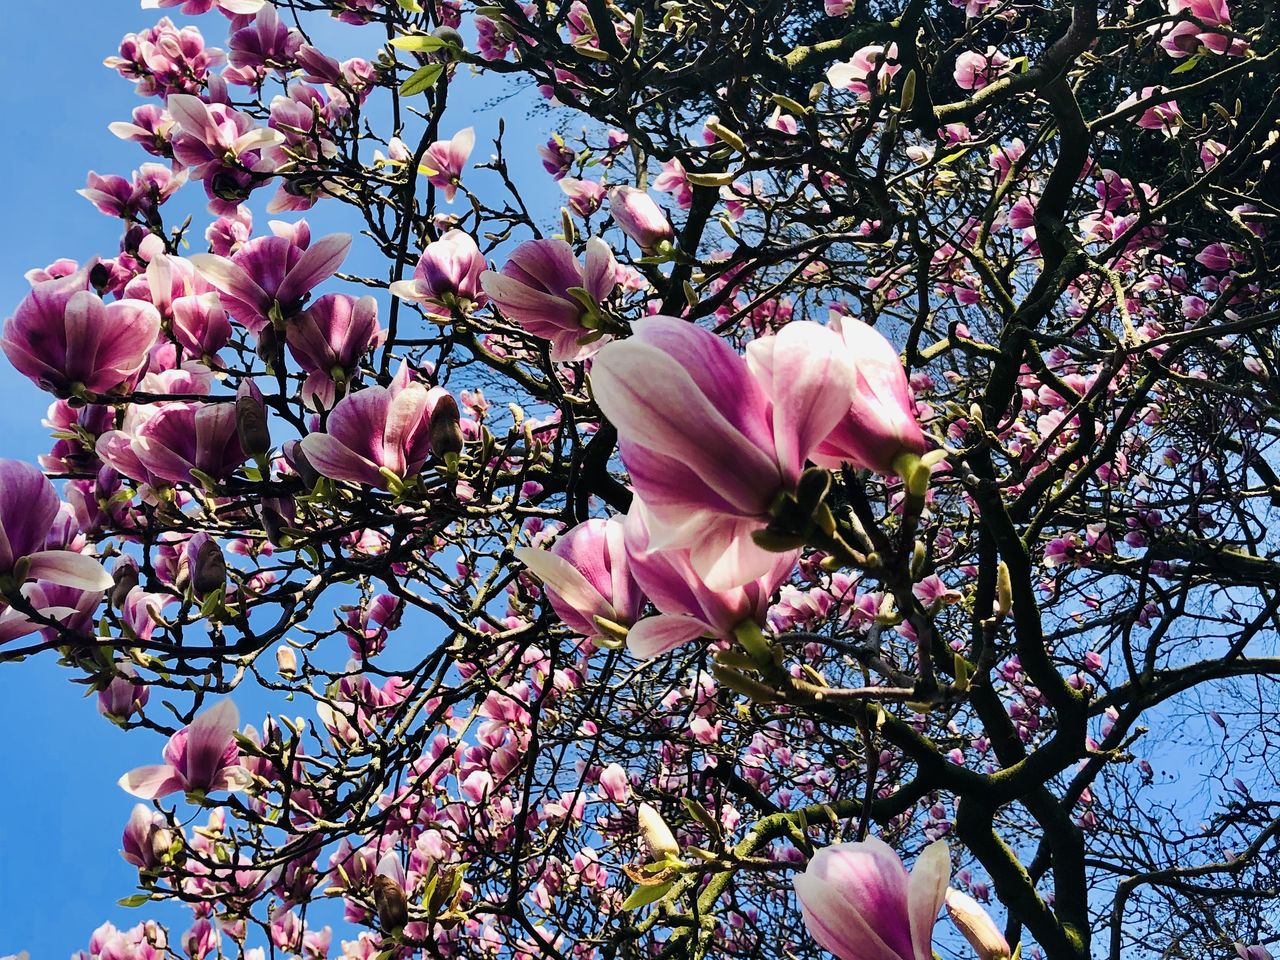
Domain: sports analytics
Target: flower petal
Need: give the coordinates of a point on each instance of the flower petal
(656, 635)
(69, 569)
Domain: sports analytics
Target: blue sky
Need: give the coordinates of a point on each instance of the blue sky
(61, 813)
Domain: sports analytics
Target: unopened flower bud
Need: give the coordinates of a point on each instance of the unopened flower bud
(209, 570)
(251, 421)
(391, 903)
(657, 836)
(639, 217)
(1004, 590)
(977, 926)
(268, 348)
(125, 577)
(445, 427)
(286, 660)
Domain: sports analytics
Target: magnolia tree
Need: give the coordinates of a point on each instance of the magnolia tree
(851, 439)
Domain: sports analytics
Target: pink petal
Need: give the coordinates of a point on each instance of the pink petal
(926, 890)
(656, 635)
(70, 569)
(152, 782)
(337, 461)
(317, 264)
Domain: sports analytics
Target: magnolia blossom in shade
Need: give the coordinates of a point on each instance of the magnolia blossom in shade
(273, 275)
(447, 275)
(708, 447)
(200, 758)
(376, 435)
(881, 422)
(1210, 30)
(587, 575)
(30, 521)
(533, 290)
(871, 65)
(977, 926)
(975, 70)
(1165, 117)
(687, 607)
(639, 217)
(180, 440)
(328, 340)
(445, 160)
(860, 903)
(65, 339)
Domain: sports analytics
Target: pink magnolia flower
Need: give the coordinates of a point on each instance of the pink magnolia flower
(872, 64)
(232, 8)
(378, 435)
(163, 59)
(199, 759)
(445, 160)
(124, 695)
(328, 340)
(66, 340)
(975, 70)
(636, 215)
(615, 784)
(587, 575)
(271, 277)
(687, 607)
(150, 127)
(533, 290)
(881, 422)
(146, 838)
(31, 545)
(585, 196)
(180, 443)
(556, 157)
(447, 275)
(673, 180)
(1165, 117)
(189, 307)
(212, 135)
(708, 446)
(266, 42)
(1209, 31)
(860, 903)
(151, 185)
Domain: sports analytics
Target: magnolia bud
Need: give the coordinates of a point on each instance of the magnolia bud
(657, 836)
(977, 926)
(639, 217)
(251, 421)
(209, 571)
(125, 576)
(445, 427)
(268, 348)
(286, 660)
(393, 907)
(1004, 590)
